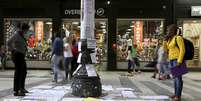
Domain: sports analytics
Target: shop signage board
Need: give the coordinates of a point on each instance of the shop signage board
(195, 10)
(98, 11)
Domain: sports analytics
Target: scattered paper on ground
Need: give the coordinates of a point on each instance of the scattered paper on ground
(128, 94)
(107, 87)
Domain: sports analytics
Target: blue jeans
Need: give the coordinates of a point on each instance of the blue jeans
(163, 68)
(178, 82)
(57, 72)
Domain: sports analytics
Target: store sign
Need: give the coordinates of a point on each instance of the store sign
(195, 10)
(99, 12)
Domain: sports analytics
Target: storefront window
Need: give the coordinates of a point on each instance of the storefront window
(191, 31)
(39, 37)
(144, 33)
(71, 28)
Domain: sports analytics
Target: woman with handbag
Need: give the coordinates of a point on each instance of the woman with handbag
(174, 45)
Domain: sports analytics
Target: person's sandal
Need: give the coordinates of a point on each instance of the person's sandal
(172, 96)
(176, 98)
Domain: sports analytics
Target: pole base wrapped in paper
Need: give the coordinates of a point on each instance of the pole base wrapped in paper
(86, 81)
(85, 86)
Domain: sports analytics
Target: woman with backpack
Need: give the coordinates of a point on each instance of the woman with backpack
(174, 45)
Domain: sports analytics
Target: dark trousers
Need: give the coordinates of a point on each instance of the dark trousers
(74, 65)
(130, 65)
(20, 71)
(67, 62)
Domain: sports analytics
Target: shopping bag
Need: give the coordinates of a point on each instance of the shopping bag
(179, 70)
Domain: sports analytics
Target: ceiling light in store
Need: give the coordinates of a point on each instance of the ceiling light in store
(194, 21)
(75, 23)
(131, 26)
(108, 2)
(49, 23)
(127, 32)
(78, 26)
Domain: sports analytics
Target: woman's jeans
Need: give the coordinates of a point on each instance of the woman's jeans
(178, 82)
(57, 71)
(67, 62)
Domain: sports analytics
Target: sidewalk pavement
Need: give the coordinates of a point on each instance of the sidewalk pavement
(117, 86)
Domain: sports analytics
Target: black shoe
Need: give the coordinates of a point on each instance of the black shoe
(25, 91)
(19, 93)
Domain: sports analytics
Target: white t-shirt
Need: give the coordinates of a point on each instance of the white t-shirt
(67, 50)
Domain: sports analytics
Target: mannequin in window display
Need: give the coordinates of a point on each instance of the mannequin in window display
(129, 41)
(31, 41)
(66, 30)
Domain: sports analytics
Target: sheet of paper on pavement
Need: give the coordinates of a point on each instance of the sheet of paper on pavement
(62, 87)
(72, 99)
(125, 89)
(128, 94)
(161, 97)
(107, 87)
(11, 100)
(43, 87)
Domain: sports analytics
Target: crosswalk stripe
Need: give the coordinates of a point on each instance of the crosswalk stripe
(169, 86)
(146, 90)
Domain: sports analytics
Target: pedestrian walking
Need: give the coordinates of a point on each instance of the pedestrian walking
(74, 63)
(135, 58)
(162, 64)
(68, 56)
(18, 47)
(130, 57)
(58, 57)
(174, 45)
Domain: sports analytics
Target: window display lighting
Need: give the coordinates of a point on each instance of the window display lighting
(103, 26)
(75, 23)
(49, 23)
(129, 29)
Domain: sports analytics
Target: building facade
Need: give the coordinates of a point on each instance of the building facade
(117, 21)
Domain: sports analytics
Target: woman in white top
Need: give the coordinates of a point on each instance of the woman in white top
(67, 56)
